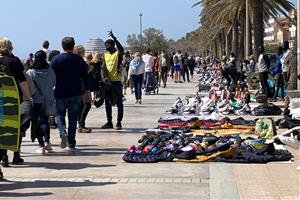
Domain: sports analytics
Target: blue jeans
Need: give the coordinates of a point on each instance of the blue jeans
(138, 81)
(72, 105)
(149, 81)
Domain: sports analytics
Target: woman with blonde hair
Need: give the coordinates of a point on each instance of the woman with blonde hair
(86, 105)
(95, 74)
(12, 66)
(136, 72)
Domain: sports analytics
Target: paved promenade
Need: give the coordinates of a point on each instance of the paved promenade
(97, 170)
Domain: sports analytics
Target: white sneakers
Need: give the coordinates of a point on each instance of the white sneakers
(47, 149)
(41, 150)
(291, 141)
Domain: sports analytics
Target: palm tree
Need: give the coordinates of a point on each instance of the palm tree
(219, 16)
(258, 25)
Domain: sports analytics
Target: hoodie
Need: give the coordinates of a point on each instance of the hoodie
(44, 81)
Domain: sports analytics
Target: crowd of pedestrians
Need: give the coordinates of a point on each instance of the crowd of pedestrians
(54, 85)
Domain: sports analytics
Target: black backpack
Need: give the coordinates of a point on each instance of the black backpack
(4, 66)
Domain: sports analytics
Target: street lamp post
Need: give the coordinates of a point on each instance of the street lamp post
(141, 30)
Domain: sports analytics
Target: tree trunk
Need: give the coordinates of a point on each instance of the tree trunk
(220, 45)
(292, 71)
(235, 37)
(258, 26)
(223, 42)
(242, 20)
(227, 41)
(215, 49)
(250, 39)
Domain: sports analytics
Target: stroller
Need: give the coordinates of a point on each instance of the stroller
(151, 85)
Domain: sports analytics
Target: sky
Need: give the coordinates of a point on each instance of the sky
(28, 23)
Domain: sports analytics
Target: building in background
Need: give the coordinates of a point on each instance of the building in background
(280, 29)
(95, 45)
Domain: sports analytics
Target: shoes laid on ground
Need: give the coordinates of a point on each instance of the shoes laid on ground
(290, 141)
(48, 148)
(245, 110)
(193, 106)
(4, 161)
(209, 107)
(108, 125)
(290, 131)
(41, 150)
(222, 103)
(63, 142)
(177, 107)
(18, 161)
(119, 126)
(84, 130)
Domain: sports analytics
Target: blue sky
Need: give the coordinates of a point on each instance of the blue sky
(29, 22)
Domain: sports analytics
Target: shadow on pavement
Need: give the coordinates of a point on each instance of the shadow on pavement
(81, 152)
(98, 130)
(61, 166)
(31, 194)
(43, 184)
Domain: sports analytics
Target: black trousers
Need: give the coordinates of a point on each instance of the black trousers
(185, 74)
(164, 75)
(117, 99)
(263, 76)
(86, 107)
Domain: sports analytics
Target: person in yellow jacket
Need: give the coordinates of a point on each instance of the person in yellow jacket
(112, 64)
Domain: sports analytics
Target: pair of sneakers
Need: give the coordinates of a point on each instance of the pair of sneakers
(290, 138)
(138, 102)
(45, 149)
(109, 125)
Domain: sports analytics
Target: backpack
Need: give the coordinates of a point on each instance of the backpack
(4, 69)
(267, 61)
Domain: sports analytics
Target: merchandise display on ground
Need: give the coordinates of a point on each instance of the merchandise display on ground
(209, 127)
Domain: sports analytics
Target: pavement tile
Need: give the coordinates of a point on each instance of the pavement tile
(97, 172)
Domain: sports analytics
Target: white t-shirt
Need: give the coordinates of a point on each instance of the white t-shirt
(163, 62)
(47, 51)
(149, 62)
(285, 60)
(179, 57)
